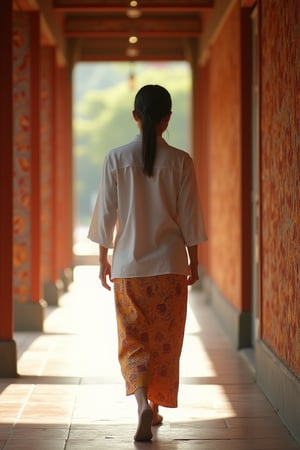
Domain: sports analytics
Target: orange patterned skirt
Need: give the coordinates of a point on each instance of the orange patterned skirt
(151, 315)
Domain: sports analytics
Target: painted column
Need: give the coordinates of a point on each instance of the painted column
(28, 306)
(199, 133)
(69, 162)
(201, 93)
(8, 366)
(51, 285)
(69, 171)
(63, 178)
(246, 154)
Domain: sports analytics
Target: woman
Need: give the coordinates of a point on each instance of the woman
(148, 211)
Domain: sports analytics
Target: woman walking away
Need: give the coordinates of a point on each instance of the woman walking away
(148, 211)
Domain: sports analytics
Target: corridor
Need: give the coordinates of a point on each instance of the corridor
(70, 395)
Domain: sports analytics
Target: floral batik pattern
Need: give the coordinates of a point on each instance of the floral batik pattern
(151, 315)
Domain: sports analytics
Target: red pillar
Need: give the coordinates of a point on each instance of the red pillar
(49, 152)
(69, 163)
(63, 177)
(7, 345)
(68, 167)
(246, 155)
(59, 168)
(28, 306)
(201, 127)
(34, 33)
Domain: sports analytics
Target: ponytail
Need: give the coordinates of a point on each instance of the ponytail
(148, 144)
(152, 103)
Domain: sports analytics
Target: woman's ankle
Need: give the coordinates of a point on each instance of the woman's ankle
(154, 407)
(141, 398)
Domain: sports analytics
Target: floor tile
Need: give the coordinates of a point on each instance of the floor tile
(70, 393)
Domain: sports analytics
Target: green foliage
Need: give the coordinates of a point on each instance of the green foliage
(103, 103)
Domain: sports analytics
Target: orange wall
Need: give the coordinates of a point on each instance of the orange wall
(225, 160)
(280, 185)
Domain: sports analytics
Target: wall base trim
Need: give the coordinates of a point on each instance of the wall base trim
(277, 382)
(280, 386)
(8, 358)
(53, 291)
(29, 316)
(237, 324)
(67, 278)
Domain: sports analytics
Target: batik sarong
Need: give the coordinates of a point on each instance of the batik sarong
(151, 315)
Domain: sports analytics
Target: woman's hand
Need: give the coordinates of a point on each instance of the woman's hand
(193, 275)
(104, 273)
(193, 266)
(105, 268)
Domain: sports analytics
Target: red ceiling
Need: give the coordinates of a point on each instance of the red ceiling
(100, 29)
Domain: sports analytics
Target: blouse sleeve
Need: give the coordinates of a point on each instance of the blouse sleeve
(189, 208)
(104, 217)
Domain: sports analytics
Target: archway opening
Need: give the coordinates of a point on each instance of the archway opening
(103, 96)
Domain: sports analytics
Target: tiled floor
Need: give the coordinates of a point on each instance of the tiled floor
(70, 394)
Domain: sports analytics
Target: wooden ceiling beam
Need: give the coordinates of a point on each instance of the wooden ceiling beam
(110, 57)
(120, 46)
(85, 34)
(24, 5)
(112, 27)
(179, 6)
(248, 3)
(118, 53)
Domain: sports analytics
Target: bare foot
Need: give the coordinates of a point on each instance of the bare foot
(157, 418)
(143, 432)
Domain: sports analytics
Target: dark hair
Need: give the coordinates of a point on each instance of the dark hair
(152, 103)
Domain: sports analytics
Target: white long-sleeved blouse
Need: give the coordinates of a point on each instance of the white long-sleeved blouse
(148, 221)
